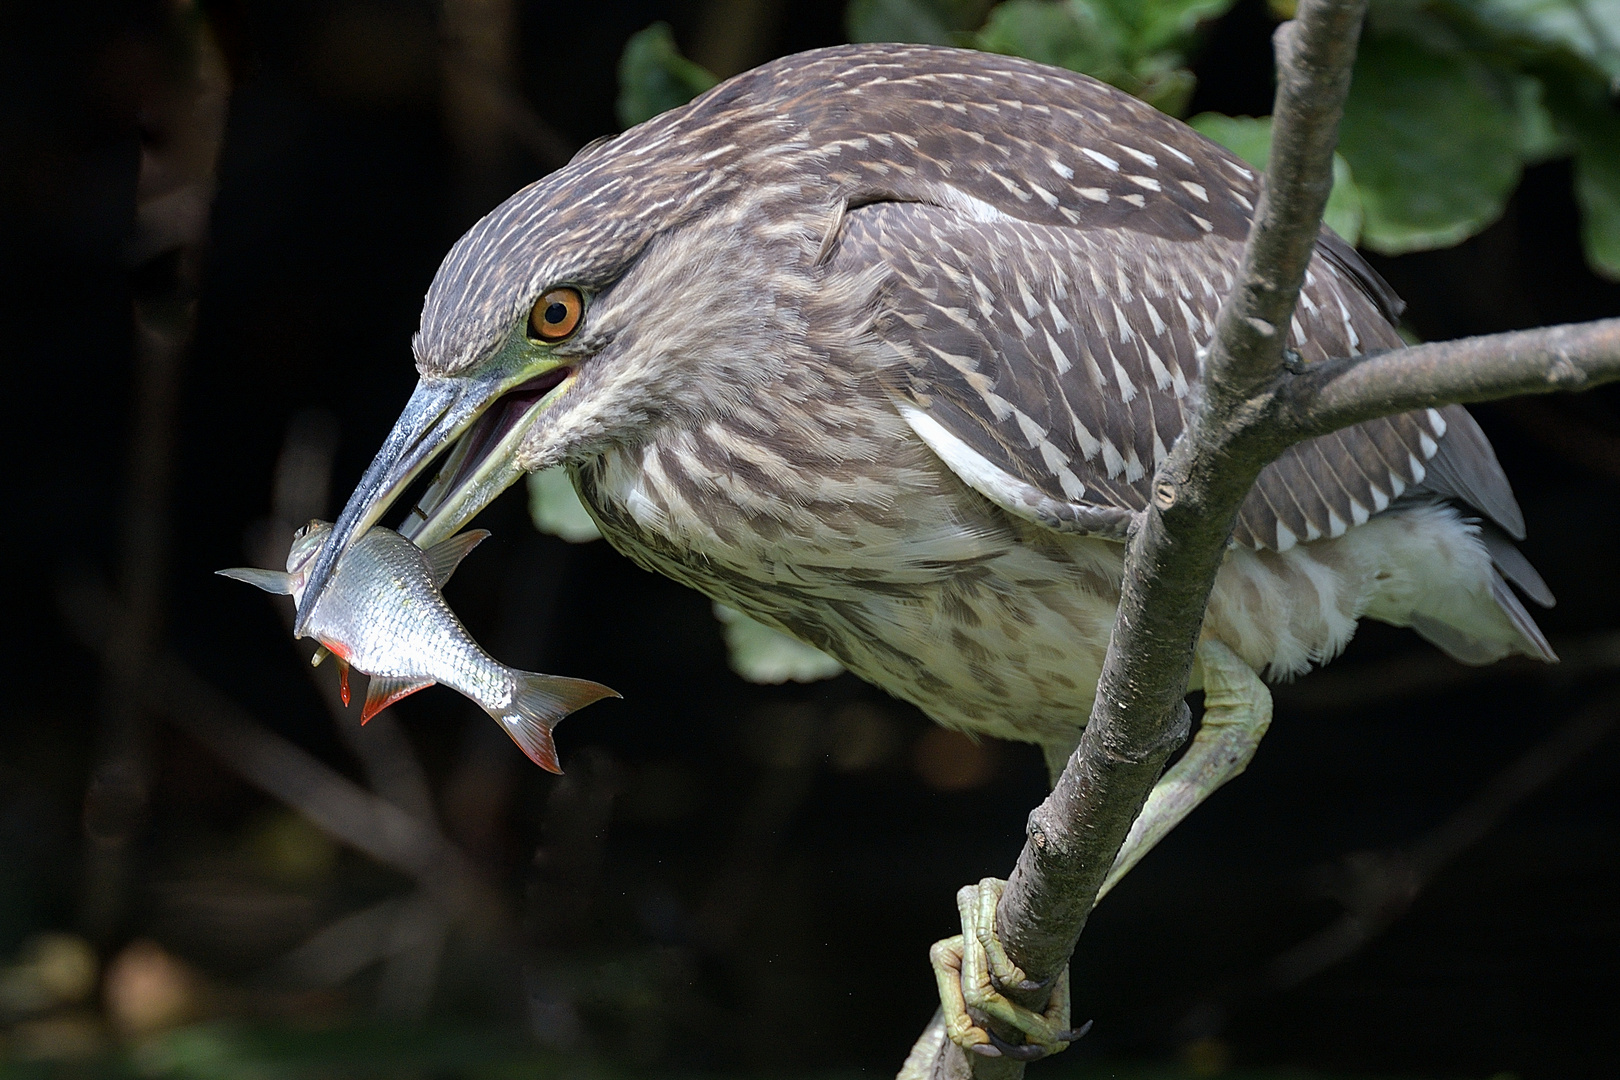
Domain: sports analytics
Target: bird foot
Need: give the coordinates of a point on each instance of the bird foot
(973, 971)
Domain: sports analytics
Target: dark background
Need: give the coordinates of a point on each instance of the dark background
(720, 883)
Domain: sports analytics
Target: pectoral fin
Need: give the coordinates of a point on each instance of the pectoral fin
(444, 557)
(383, 692)
(271, 581)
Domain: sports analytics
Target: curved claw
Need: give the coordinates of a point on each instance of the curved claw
(973, 969)
(1017, 1051)
(1032, 1051)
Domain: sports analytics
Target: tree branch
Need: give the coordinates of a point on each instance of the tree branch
(1179, 541)
(1254, 406)
(1336, 394)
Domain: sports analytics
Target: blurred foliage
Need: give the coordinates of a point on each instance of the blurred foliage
(259, 1052)
(654, 76)
(1433, 139)
(1142, 48)
(556, 510)
(1250, 139)
(761, 654)
(1451, 98)
(933, 22)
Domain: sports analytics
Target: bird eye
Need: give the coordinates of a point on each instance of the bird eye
(556, 315)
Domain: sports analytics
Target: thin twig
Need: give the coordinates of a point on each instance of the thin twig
(1336, 394)
(331, 800)
(1381, 887)
(186, 125)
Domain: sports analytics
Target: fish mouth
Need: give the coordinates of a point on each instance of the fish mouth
(480, 420)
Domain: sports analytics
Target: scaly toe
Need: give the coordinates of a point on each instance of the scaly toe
(973, 969)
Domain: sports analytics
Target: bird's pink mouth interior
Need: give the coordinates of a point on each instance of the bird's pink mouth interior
(498, 421)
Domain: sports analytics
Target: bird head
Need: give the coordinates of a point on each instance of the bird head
(638, 286)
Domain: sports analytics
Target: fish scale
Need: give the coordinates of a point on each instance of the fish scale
(383, 614)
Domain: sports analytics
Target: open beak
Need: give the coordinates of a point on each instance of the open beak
(485, 416)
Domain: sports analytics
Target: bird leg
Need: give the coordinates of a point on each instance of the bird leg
(973, 968)
(1237, 712)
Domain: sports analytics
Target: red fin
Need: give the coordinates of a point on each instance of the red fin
(538, 703)
(343, 681)
(383, 692)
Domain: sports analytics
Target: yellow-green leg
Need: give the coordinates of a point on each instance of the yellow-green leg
(1237, 712)
(973, 966)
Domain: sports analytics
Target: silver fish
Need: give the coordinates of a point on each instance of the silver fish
(383, 614)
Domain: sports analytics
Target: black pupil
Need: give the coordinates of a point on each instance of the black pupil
(556, 312)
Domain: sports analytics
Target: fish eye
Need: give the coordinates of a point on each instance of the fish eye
(304, 529)
(556, 315)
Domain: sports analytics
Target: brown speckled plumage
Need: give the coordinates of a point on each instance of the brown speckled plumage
(883, 344)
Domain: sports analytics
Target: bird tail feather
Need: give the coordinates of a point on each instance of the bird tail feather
(1469, 642)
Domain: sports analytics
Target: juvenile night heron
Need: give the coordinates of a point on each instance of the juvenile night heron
(881, 345)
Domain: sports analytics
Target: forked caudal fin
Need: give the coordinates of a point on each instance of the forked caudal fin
(538, 704)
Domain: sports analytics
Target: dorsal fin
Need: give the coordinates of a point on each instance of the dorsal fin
(445, 556)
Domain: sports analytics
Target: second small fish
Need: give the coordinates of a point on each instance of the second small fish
(383, 614)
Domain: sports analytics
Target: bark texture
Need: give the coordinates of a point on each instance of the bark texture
(1256, 402)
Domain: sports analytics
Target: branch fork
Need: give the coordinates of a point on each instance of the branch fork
(1256, 402)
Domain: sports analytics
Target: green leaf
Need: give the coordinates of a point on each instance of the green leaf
(1064, 35)
(654, 76)
(1588, 29)
(761, 654)
(1344, 213)
(555, 509)
(1250, 139)
(1433, 140)
(917, 21)
(1139, 46)
(1597, 190)
(1157, 25)
(1539, 137)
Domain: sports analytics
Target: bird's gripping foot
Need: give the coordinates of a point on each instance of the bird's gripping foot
(973, 969)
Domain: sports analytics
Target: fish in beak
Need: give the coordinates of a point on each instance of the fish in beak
(384, 614)
(484, 416)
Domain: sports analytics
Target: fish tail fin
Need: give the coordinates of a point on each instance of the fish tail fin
(538, 703)
(271, 581)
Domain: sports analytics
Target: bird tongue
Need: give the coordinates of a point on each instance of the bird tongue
(488, 430)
